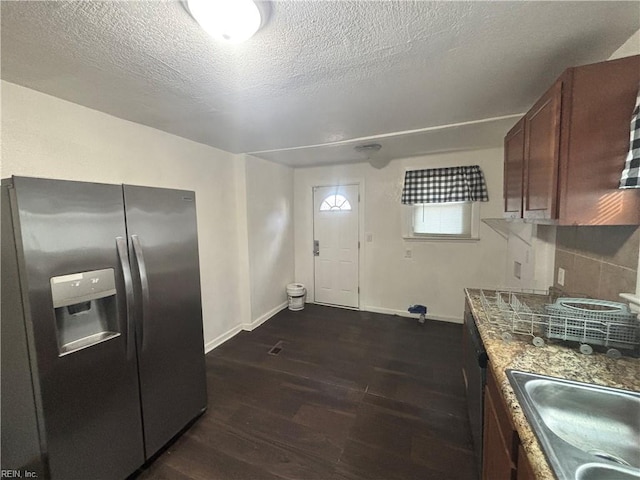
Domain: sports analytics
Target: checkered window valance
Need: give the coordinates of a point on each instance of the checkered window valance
(631, 173)
(444, 185)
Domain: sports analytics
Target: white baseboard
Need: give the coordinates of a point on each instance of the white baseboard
(263, 318)
(220, 339)
(404, 313)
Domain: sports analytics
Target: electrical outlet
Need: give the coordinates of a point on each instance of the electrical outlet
(561, 276)
(408, 253)
(369, 237)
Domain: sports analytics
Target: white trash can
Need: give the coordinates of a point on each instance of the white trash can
(296, 294)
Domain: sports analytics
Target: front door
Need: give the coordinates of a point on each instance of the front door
(336, 245)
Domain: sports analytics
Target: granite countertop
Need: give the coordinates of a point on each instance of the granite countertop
(552, 359)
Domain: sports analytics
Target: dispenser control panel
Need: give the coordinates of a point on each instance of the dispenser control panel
(82, 287)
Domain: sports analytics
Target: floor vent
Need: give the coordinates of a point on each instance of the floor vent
(275, 350)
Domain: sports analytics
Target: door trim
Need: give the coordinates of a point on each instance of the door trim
(361, 239)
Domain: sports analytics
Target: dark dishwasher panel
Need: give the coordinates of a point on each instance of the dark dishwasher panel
(474, 364)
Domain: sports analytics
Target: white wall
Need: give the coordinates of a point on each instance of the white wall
(438, 271)
(44, 136)
(533, 246)
(628, 48)
(269, 204)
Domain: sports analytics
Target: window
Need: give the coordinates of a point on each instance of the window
(441, 221)
(443, 203)
(335, 203)
(442, 218)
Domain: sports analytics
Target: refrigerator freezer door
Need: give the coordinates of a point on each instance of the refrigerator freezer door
(163, 247)
(19, 429)
(89, 397)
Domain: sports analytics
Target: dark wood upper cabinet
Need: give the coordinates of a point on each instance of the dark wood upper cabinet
(575, 141)
(514, 171)
(595, 143)
(542, 149)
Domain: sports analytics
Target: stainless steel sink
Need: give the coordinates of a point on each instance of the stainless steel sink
(597, 471)
(587, 432)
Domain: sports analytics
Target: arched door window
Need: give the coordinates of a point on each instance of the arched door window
(335, 203)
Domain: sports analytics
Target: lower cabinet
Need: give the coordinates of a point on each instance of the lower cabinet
(503, 457)
(525, 472)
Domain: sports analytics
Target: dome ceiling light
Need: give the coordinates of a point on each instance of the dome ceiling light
(371, 151)
(232, 21)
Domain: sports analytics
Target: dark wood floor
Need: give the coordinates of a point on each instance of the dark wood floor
(351, 395)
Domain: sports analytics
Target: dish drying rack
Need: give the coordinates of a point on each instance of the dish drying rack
(585, 321)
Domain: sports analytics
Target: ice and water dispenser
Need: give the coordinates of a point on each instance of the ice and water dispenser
(85, 308)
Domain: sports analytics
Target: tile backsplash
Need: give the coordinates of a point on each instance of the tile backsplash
(599, 262)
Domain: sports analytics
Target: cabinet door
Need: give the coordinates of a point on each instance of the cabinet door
(594, 150)
(542, 133)
(496, 457)
(500, 441)
(514, 170)
(525, 472)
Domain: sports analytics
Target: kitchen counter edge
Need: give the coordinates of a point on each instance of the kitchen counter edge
(553, 360)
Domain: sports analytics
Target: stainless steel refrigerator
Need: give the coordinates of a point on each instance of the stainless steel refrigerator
(102, 345)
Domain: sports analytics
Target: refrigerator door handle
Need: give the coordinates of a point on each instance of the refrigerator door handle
(144, 286)
(121, 247)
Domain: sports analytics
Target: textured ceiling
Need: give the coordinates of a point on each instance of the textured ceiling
(319, 72)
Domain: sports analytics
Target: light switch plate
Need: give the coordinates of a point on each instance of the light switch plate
(561, 276)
